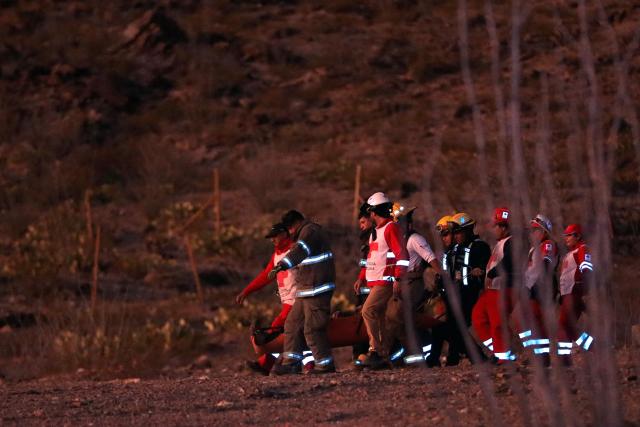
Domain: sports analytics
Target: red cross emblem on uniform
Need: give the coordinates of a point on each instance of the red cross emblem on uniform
(281, 276)
(373, 246)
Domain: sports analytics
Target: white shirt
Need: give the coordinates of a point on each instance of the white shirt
(419, 250)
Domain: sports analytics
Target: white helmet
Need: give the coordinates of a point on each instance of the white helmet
(378, 199)
(541, 221)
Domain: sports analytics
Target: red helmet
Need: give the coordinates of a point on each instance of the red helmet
(573, 229)
(501, 216)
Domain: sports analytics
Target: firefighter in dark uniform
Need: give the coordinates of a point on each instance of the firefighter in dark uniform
(469, 258)
(440, 333)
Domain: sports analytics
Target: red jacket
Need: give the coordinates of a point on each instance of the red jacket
(261, 279)
(388, 258)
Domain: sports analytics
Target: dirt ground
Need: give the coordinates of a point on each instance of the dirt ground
(408, 396)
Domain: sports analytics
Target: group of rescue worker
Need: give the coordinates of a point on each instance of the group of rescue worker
(477, 284)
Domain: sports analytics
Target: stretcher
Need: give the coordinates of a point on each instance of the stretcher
(343, 331)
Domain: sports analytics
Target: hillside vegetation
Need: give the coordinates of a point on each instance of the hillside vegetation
(115, 114)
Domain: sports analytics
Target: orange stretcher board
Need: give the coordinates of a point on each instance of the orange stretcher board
(343, 331)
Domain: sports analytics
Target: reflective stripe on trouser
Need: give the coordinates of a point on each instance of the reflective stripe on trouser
(585, 340)
(538, 345)
(307, 357)
(571, 308)
(396, 355)
(395, 317)
(487, 321)
(308, 321)
(417, 358)
(373, 315)
(564, 348)
(364, 290)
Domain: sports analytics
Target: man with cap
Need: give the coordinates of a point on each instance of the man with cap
(387, 262)
(575, 279)
(540, 284)
(286, 289)
(366, 225)
(490, 316)
(311, 310)
(466, 263)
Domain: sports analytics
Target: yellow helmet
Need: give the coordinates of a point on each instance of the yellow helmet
(443, 223)
(398, 211)
(462, 219)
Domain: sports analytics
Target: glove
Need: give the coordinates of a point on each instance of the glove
(277, 269)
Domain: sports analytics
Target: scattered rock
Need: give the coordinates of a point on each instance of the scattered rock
(154, 27)
(202, 362)
(224, 404)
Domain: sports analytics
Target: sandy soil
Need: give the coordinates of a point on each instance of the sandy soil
(445, 396)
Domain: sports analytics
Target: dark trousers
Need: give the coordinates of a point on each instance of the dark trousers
(451, 332)
(308, 320)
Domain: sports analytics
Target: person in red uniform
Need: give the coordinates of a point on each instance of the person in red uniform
(575, 277)
(540, 286)
(491, 313)
(387, 263)
(286, 289)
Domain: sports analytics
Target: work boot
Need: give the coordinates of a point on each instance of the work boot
(374, 361)
(254, 366)
(329, 368)
(288, 369)
(358, 363)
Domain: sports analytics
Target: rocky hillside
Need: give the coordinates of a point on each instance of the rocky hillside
(137, 102)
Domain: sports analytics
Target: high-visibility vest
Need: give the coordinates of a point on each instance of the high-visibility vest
(496, 256)
(381, 260)
(573, 265)
(286, 280)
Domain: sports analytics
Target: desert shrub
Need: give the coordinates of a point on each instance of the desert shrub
(165, 231)
(234, 318)
(56, 243)
(118, 340)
